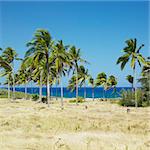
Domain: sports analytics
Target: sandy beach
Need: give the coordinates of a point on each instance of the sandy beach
(27, 125)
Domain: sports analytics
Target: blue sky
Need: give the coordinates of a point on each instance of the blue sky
(98, 28)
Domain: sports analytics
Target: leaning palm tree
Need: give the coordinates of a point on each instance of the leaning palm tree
(130, 79)
(83, 76)
(101, 80)
(42, 44)
(132, 51)
(92, 83)
(75, 59)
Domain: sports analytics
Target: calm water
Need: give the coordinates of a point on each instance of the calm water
(56, 92)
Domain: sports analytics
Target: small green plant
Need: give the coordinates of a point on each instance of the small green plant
(79, 100)
(35, 97)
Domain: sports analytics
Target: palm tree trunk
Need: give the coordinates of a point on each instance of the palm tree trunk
(48, 92)
(132, 87)
(32, 88)
(40, 98)
(76, 86)
(62, 104)
(56, 87)
(13, 75)
(93, 92)
(135, 88)
(48, 89)
(8, 90)
(84, 91)
(25, 91)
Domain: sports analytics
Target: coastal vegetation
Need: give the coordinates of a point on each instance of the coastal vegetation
(47, 61)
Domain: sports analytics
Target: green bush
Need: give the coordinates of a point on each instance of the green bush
(3, 93)
(128, 98)
(18, 95)
(35, 97)
(79, 100)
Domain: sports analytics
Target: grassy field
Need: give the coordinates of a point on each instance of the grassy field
(27, 125)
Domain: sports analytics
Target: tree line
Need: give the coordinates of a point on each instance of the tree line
(47, 61)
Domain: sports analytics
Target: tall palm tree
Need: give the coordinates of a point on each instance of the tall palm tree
(101, 80)
(92, 83)
(75, 58)
(130, 79)
(83, 76)
(132, 51)
(60, 60)
(35, 65)
(42, 44)
(10, 55)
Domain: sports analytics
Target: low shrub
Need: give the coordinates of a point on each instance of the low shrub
(18, 95)
(35, 97)
(3, 93)
(79, 100)
(128, 98)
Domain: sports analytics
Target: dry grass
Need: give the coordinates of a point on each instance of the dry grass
(25, 125)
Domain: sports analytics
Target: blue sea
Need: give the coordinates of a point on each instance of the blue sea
(68, 94)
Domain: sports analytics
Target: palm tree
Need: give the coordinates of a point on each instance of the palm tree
(23, 77)
(130, 79)
(112, 82)
(60, 60)
(8, 73)
(75, 58)
(101, 80)
(132, 51)
(92, 83)
(42, 45)
(10, 55)
(83, 76)
(35, 65)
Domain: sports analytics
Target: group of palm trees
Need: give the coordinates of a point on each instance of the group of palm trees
(47, 61)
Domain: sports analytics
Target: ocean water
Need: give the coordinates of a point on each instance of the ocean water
(99, 92)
